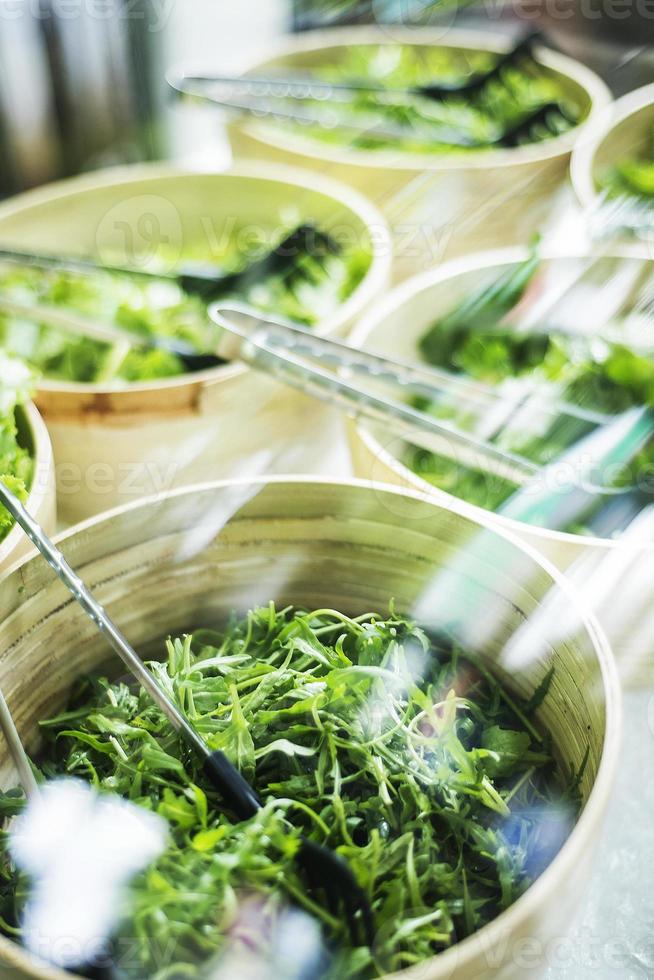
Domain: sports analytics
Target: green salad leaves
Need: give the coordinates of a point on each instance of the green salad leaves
(541, 369)
(498, 107)
(397, 749)
(16, 463)
(159, 307)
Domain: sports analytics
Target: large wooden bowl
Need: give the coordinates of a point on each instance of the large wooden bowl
(394, 327)
(189, 558)
(114, 444)
(41, 502)
(438, 205)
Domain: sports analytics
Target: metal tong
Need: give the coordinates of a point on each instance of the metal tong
(323, 369)
(279, 97)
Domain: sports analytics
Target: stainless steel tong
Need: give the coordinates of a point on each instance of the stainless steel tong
(358, 381)
(323, 368)
(310, 104)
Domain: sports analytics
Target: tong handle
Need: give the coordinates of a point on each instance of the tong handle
(321, 115)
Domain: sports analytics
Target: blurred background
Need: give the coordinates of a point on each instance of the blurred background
(82, 81)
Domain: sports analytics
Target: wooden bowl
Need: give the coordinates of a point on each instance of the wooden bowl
(188, 558)
(624, 130)
(438, 205)
(394, 327)
(41, 502)
(114, 444)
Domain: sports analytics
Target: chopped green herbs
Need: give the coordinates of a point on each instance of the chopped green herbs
(159, 308)
(480, 120)
(534, 372)
(399, 750)
(16, 463)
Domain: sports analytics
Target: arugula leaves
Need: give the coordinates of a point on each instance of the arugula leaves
(397, 749)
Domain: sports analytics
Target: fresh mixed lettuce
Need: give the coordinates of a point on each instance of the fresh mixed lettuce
(311, 288)
(399, 750)
(16, 462)
(480, 120)
(534, 371)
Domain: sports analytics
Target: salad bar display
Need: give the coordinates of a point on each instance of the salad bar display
(26, 463)
(16, 462)
(632, 176)
(126, 413)
(314, 727)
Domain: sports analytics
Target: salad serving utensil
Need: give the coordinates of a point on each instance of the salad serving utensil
(277, 97)
(323, 868)
(319, 115)
(305, 87)
(286, 351)
(81, 326)
(205, 281)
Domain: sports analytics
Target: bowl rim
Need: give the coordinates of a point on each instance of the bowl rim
(374, 281)
(582, 161)
(439, 276)
(597, 91)
(586, 827)
(41, 489)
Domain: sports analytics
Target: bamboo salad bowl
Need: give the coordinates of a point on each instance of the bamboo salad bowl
(41, 502)
(441, 205)
(625, 130)
(394, 327)
(187, 559)
(113, 444)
